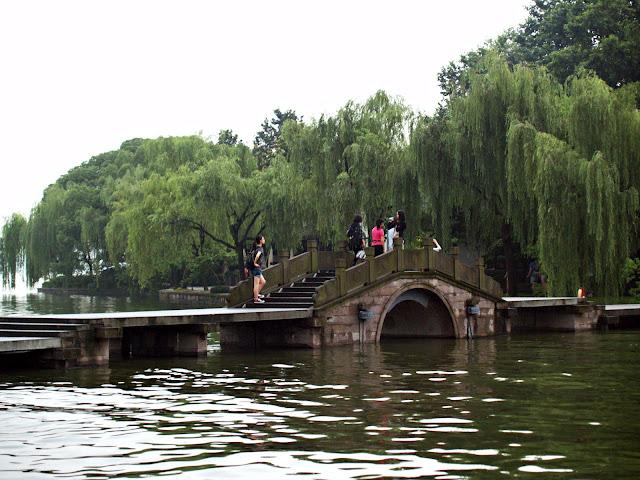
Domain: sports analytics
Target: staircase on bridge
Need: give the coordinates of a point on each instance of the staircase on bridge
(298, 294)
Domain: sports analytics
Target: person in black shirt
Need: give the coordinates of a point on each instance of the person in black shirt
(399, 223)
(356, 237)
(256, 264)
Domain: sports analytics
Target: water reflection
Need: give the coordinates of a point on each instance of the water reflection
(40, 303)
(525, 406)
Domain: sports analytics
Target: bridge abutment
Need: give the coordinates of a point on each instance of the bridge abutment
(270, 334)
(570, 318)
(405, 308)
(163, 341)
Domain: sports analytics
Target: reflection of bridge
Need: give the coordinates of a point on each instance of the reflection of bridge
(313, 300)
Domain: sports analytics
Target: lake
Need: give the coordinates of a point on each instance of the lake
(521, 406)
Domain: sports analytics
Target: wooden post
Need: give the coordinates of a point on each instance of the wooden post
(370, 252)
(455, 251)
(341, 277)
(481, 277)
(397, 248)
(429, 259)
(312, 248)
(283, 258)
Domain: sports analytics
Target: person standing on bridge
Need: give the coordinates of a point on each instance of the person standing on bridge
(399, 224)
(377, 238)
(256, 264)
(356, 237)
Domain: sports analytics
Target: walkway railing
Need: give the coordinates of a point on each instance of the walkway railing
(422, 260)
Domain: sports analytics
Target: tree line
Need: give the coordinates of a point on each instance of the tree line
(534, 148)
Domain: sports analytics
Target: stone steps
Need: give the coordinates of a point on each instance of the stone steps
(42, 326)
(6, 332)
(270, 299)
(289, 294)
(295, 295)
(278, 305)
(298, 290)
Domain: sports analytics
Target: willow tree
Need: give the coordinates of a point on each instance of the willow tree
(12, 249)
(66, 233)
(582, 211)
(346, 164)
(533, 162)
(162, 221)
(475, 144)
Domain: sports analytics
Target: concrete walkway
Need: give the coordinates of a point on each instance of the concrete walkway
(532, 302)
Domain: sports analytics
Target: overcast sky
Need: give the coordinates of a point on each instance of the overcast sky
(79, 77)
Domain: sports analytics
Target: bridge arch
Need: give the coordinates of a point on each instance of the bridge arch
(417, 310)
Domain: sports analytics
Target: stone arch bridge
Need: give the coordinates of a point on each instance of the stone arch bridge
(402, 293)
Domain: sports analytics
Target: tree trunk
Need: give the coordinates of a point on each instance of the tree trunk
(240, 257)
(507, 244)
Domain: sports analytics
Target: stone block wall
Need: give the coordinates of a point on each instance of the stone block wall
(340, 324)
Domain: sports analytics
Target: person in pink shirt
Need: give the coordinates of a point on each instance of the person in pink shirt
(377, 238)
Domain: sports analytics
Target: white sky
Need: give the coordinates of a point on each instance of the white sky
(79, 77)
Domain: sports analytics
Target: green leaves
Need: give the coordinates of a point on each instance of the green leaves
(556, 164)
(12, 251)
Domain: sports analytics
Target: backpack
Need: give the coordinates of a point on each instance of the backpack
(355, 236)
(250, 260)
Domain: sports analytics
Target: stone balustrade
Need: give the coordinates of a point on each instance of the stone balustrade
(373, 269)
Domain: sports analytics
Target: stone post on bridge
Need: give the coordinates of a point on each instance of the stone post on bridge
(341, 277)
(283, 259)
(312, 248)
(397, 247)
(370, 252)
(482, 281)
(455, 251)
(429, 254)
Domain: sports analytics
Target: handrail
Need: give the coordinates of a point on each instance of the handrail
(290, 269)
(287, 270)
(398, 261)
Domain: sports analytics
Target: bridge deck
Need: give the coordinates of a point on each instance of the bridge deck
(20, 334)
(623, 310)
(169, 317)
(537, 302)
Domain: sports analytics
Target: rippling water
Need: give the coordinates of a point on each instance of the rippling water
(551, 406)
(30, 302)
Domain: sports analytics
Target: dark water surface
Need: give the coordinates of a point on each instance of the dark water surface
(28, 303)
(547, 406)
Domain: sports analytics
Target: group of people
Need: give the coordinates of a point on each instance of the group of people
(381, 235)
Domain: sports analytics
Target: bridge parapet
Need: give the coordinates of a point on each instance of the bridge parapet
(398, 260)
(287, 270)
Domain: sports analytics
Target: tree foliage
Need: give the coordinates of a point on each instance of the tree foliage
(12, 253)
(338, 166)
(549, 163)
(206, 204)
(569, 35)
(535, 145)
(267, 144)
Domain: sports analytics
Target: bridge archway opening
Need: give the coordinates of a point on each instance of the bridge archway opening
(417, 313)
